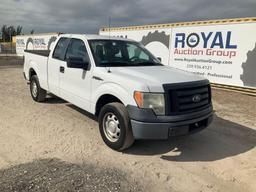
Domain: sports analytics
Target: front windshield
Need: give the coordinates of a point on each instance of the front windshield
(116, 53)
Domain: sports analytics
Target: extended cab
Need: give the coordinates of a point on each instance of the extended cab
(133, 95)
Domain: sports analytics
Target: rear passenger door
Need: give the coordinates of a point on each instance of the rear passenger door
(55, 61)
(75, 83)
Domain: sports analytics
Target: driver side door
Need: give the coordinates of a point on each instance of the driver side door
(75, 81)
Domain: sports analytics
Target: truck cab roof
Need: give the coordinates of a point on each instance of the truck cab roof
(95, 37)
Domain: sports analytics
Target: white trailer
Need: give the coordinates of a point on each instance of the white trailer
(41, 41)
(224, 51)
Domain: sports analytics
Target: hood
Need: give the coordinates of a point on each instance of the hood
(155, 76)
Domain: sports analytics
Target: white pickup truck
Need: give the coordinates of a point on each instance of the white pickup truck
(133, 95)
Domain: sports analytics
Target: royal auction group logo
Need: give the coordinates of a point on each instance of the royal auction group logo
(205, 43)
(193, 40)
(20, 42)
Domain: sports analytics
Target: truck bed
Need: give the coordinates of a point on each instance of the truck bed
(44, 53)
(38, 60)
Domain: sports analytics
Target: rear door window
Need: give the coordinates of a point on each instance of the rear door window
(60, 49)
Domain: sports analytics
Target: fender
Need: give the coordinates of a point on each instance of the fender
(112, 89)
(43, 82)
(33, 66)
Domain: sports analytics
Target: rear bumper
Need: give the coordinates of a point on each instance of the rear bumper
(146, 125)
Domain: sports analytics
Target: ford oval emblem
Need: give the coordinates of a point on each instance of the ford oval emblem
(196, 98)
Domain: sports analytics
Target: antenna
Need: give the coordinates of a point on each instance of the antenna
(109, 25)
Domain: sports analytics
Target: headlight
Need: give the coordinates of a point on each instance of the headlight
(153, 101)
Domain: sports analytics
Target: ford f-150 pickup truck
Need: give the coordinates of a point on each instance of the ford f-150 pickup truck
(118, 80)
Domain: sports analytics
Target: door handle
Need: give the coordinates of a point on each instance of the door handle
(62, 69)
(97, 78)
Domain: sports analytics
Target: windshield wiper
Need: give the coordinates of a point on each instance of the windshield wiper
(145, 63)
(128, 64)
(115, 63)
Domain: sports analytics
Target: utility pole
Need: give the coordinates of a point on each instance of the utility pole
(11, 40)
(10, 35)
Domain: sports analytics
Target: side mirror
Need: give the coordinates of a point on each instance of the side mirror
(77, 62)
(160, 59)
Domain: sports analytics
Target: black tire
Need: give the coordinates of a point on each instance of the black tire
(40, 94)
(126, 138)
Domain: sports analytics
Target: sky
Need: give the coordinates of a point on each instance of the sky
(88, 16)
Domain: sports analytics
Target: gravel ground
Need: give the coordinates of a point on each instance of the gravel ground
(55, 175)
(36, 138)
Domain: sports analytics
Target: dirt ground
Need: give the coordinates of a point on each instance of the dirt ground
(55, 146)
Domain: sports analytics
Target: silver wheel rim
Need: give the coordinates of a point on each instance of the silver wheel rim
(34, 89)
(111, 127)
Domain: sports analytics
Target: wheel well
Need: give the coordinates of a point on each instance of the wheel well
(103, 100)
(31, 73)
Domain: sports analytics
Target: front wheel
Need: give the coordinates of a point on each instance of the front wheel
(115, 126)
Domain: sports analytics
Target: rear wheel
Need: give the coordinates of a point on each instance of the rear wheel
(37, 93)
(115, 126)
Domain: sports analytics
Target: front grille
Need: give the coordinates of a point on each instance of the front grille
(189, 97)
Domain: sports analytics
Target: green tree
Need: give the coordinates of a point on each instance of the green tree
(18, 30)
(4, 32)
(9, 31)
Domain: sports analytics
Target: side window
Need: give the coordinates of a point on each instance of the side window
(59, 50)
(77, 49)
